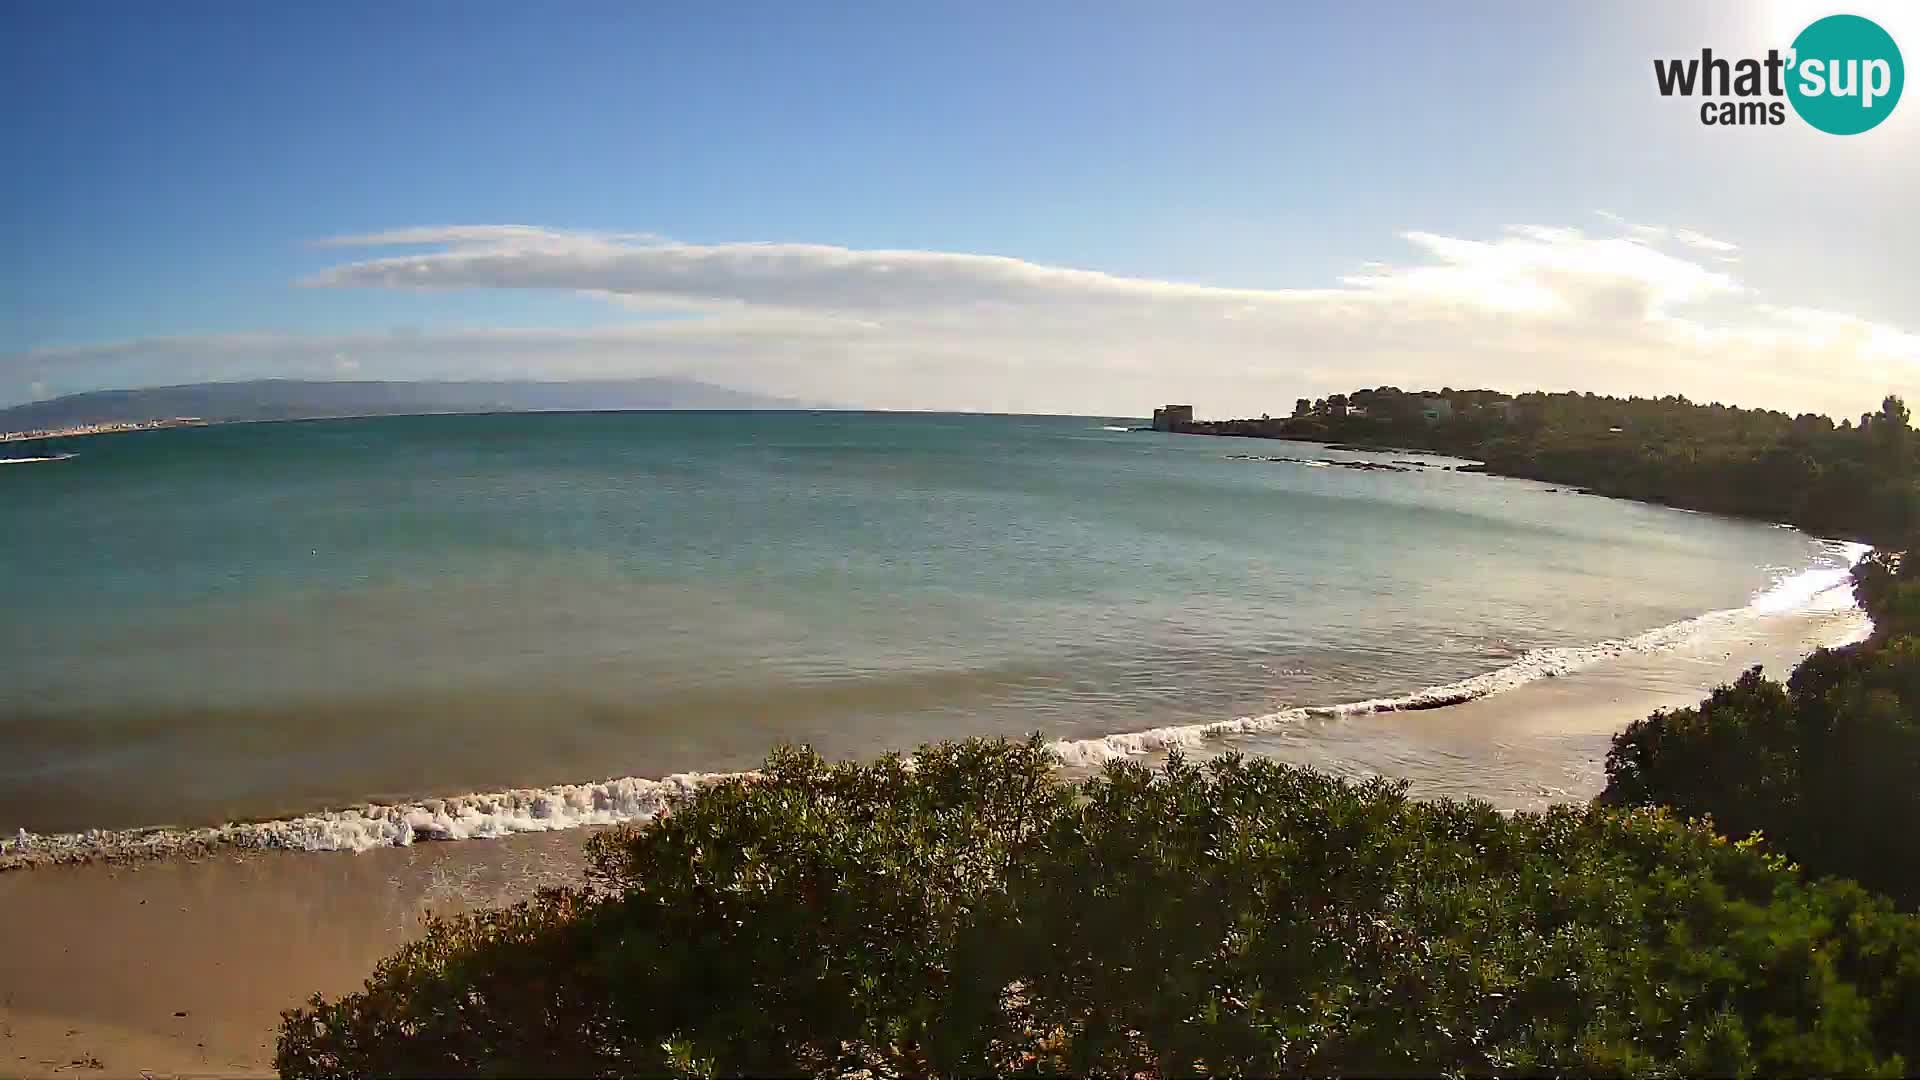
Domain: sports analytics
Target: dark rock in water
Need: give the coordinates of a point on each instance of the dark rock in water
(1363, 448)
(1363, 466)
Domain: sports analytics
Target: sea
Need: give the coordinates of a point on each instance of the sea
(352, 633)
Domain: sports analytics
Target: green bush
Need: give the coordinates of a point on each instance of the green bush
(1734, 757)
(1824, 766)
(967, 912)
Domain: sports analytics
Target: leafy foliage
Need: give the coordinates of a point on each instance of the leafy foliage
(966, 911)
(1823, 766)
(1844, 480)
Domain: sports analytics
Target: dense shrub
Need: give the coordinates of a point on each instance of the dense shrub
(1824, 766)
(967, 912)
(1887, 584)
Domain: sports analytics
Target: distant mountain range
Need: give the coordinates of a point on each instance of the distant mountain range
(290, 399)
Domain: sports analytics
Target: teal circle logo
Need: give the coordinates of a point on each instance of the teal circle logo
(1846, 74)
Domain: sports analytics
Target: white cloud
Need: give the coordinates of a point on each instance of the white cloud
(1703, 242)
(1660, 234)
(466, 234)
(1549, 272)
(804, 276)
(1536, 306)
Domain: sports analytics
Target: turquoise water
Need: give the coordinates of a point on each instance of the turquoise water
(248, 621)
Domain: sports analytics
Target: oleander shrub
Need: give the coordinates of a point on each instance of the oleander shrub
(965, 911)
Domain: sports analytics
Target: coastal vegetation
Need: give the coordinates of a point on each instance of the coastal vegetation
(967, 911)
(1848, 479)
(1823, 766)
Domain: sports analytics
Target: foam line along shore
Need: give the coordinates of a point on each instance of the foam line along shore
(492, 815)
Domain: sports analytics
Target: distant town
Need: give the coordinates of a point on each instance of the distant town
(100, 429)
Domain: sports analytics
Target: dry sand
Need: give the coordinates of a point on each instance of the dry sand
(181, 967)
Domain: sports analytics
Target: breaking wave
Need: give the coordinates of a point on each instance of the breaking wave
(462, 817)
(1826, 587)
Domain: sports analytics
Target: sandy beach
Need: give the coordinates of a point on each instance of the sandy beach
(181, 967)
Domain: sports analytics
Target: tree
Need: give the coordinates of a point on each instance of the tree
(1893, 435)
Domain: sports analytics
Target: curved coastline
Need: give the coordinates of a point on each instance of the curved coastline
(494, 815)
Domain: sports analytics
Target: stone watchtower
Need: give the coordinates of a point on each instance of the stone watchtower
(1172, 417)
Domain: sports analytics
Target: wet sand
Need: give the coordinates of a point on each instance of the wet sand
(181, 967)
(1546, 742)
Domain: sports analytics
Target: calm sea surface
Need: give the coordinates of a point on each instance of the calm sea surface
(256, 620)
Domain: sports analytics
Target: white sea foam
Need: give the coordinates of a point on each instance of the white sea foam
(462, 817)
(1822, 588)
(632, 799)
(31, 460)
(1819, 588)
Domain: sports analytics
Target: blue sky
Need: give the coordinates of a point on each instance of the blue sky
(173, 173)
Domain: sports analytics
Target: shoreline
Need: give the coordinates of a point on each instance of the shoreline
(182, 966)
(115, 427)
(1481, 467)
(358, 827)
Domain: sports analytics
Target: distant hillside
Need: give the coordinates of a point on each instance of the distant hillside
(288, 399)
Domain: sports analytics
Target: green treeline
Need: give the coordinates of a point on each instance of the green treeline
(1849, 479)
